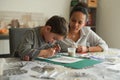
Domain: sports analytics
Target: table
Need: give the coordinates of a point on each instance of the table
(102, 71)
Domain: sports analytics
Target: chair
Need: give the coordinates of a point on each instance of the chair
(15, 36)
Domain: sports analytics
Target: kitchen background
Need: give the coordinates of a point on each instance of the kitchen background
(108, 16)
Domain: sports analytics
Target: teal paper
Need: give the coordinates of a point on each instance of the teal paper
(76, 65)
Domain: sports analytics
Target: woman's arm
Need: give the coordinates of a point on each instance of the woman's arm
(96, 43)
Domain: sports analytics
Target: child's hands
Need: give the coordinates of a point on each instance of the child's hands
(47, 53)
(57, 48)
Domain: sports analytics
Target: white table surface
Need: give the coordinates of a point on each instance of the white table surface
(99, 71)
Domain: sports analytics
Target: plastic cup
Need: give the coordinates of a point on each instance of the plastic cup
(72, 52)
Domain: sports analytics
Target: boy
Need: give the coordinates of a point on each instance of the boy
(38, 41)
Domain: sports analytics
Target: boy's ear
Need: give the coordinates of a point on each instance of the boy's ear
(48, 28)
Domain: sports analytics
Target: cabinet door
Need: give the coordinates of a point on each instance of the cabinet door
(4, 47)
(92, 18)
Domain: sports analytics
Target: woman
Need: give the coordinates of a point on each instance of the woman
(82, 37)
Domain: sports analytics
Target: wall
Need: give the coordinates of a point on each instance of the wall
(47, 7)
(108, 22)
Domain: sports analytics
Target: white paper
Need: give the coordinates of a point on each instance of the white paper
(2, 62)
(65, 59)
(29, 65)
(114, 67)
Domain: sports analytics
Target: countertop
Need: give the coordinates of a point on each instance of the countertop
(4, 36)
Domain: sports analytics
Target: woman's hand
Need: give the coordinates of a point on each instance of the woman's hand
(82, 49)
(47, 53)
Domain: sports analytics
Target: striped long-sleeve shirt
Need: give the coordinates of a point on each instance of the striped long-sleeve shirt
(32, 43)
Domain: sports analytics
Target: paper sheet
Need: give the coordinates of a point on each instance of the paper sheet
(114, 67)
(65, 59)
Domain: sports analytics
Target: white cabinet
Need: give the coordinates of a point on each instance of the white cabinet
(4, 47)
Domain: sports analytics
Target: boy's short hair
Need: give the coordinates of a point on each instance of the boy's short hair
(58, 25)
